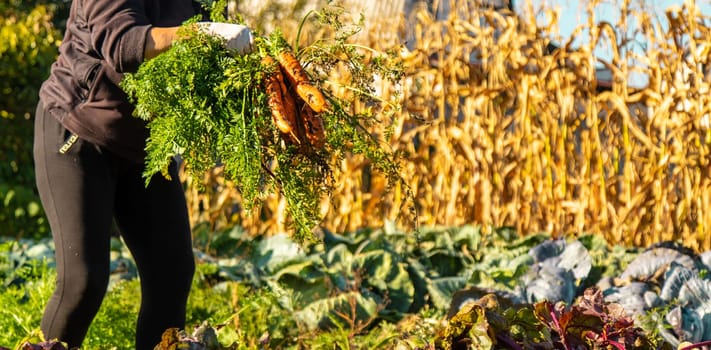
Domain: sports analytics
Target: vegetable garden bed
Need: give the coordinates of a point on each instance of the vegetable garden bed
(440, 288)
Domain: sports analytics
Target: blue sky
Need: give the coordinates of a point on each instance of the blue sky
(573, 13)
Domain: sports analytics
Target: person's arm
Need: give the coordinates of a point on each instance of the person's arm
(124, 37)
(119, 31)
(159, 39)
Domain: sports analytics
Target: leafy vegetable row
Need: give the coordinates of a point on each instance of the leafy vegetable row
(495, 287)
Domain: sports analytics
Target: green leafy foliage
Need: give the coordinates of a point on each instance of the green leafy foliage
(469, 328)
(21, 212)
(258, 319)
(366, 289)
(209, 107)
(28, 46)
(19, 262)
(114, 326)
(23, 304)
(352, 283)
(11, 8)
(591, 323)
(346, 281)
(28, 276)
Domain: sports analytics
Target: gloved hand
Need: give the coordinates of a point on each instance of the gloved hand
(237, 37)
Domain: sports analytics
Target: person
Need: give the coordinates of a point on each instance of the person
(89, 156)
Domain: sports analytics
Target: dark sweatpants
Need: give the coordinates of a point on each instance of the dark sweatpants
(83, 190)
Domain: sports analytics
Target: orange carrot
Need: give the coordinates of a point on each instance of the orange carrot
(314, 129)
(312, 96)
(290, 108)
(300, 80)
(275, 99)
(291, 65)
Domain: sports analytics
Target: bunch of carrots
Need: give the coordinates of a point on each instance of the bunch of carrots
(295, 103)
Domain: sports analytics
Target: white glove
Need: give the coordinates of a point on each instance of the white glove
(237, 37)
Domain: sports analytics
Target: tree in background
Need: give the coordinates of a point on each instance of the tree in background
(30, 32)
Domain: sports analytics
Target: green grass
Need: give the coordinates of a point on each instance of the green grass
(243, 315)
(114, 325)
(22, 307)
(20, 316)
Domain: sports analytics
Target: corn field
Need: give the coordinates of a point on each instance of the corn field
(499, 129)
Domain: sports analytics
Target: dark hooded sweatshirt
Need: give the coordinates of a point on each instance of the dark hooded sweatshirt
(105, 39)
